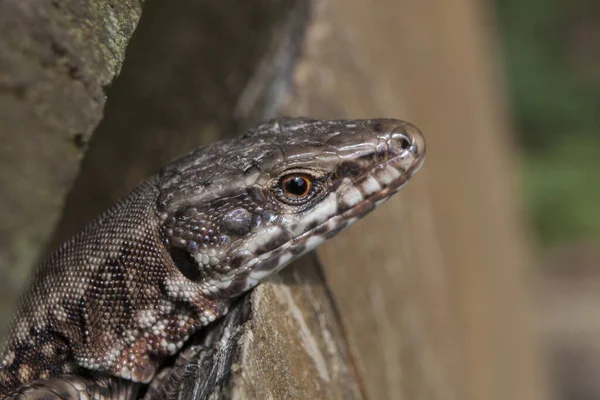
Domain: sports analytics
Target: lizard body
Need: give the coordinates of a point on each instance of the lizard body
(167, 259)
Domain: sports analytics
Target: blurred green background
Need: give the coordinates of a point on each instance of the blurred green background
(552, 64)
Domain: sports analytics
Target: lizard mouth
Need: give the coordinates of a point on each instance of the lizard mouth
(353, 199)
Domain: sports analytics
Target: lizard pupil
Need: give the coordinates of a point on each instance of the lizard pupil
(297, 186)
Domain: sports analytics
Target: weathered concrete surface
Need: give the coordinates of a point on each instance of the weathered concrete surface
(56, 58)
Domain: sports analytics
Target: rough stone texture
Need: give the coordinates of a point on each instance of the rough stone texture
(56, 58)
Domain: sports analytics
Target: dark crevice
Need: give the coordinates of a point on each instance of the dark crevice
(79, 141)
(186, 264)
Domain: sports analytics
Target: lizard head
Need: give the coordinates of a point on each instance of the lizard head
(236, 211)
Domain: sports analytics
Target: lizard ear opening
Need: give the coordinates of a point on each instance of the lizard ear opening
(185, 263)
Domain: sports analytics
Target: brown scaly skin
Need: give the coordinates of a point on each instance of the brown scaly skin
(132, 287)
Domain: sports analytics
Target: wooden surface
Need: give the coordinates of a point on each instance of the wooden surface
(433, 289)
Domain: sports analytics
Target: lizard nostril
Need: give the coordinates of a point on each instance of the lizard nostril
(401, 141)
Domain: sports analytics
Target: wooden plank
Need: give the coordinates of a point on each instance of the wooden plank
(433, 288)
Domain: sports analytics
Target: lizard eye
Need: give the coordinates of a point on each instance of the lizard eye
(296, 185)
(297, 188)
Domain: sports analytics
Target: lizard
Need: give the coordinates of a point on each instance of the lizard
(166, 260)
